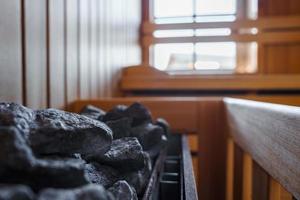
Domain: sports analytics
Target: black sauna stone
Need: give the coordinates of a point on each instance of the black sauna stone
(65, 173)
(136, 112)
(55, 131)
(139, 114)
(88, 192)
(101, 174)
(165, 125)
(14, 151)
(122, 190)
(48, 173)
(151, 137)
(117, 112)
(120, 127)
(125, 154)
(12, 114)
(16, 192)
(139, 179)
(93, 112)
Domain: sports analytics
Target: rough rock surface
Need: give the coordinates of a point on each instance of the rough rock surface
(151, 138)
(56, 174)
(88, 192)
(125, 154)
(12, 114)
(16, 192)
(120, 127)
(122, 190)
(164, 124)
(101, 174)
(55, 131)
(116, 113)
(139, 179)
(65, 173)
(137, 112)
(93, 112)
(19, 165)
(14, 151)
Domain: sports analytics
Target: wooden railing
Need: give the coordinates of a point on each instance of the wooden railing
(263, 150)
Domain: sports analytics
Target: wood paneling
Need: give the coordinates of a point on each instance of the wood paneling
(143, 78)
(53, 52)
(269, 133)
(72, 51)
(35, 53)
(11, 88)
(278, 7)
(277, 192)
(94, 49)
(56, 18)
(84, 53)
(280, 58)
(212, 149)
(247, 177)
(260, 184)
(238, 173)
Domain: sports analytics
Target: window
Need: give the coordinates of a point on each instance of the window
(201, 50)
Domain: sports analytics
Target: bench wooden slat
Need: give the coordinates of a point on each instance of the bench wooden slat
(270, 133)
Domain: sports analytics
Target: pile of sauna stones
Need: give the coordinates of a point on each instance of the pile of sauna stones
(95, 155)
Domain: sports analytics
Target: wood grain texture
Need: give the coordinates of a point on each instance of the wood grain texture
(35, 53)
(277, 192)
(269, 133)
(229, 169)
(84, 52)
(72, 52)
(57, 54)
(247, 177)
(137, 78)
(260, 184)
(51, 54)
(279, 55)
(238, 173)
(94, 49)
(212, 149)
(11, 51)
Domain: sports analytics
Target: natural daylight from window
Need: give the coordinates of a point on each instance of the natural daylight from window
(213, 57)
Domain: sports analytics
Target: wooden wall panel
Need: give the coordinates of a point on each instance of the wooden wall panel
(212, 137)
(35, 53)
(72, 51)
(53, 52)
(278, 7)
(101, 45)
(279, 58)
(93, 49)
(10, 51)
(84, 49)
(282, 58)
(57, 97)
(260, 184)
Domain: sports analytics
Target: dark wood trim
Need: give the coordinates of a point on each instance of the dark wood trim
(238, 173)
(24, 63)
(260, 184)
(47, 53)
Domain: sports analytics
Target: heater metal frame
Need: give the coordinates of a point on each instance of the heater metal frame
(172, 176)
